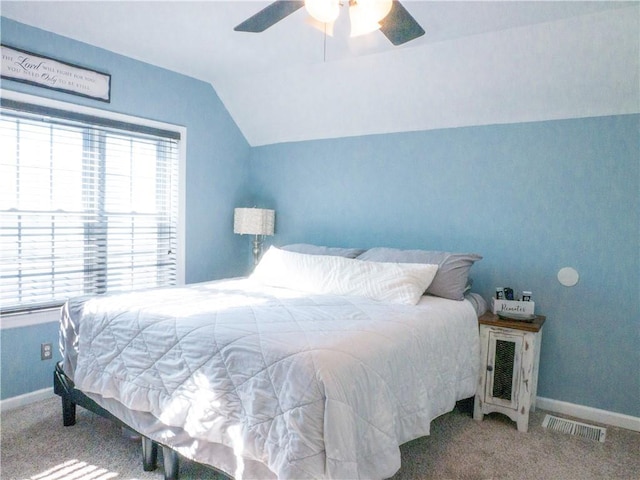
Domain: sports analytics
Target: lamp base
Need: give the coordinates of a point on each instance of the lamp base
(257, 247)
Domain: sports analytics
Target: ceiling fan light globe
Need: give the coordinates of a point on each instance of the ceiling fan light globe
(365, 15)
(361, 24)
(325, 11)
(375, 9)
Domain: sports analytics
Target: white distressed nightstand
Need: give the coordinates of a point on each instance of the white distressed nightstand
(510, 354)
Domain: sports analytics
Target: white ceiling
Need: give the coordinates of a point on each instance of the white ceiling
(479, 62)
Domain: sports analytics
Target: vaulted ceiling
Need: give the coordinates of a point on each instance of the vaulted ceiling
(479, 63)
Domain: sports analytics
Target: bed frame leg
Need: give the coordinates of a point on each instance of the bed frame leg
(149, 454)
(62, 388)
(68, 412)
(171, 464)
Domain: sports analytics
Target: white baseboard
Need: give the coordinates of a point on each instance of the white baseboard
(22, 400)
(588, 413)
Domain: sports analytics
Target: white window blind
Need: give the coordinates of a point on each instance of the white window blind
(87, 206)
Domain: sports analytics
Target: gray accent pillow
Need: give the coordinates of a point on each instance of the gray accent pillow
(453, 268)
(319, 250)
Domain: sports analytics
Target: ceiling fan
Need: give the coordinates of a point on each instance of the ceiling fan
(395, 22)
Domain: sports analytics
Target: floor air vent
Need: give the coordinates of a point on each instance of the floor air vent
(574, 428)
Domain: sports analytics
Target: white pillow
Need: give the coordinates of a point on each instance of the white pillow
(402, 283)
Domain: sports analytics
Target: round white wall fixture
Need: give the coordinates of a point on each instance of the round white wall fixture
(568, 276)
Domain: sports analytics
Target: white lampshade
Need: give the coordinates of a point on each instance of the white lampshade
(253, 221)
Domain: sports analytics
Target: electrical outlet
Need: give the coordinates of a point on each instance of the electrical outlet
(46, 351)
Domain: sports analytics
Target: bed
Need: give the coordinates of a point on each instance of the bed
(319, 365)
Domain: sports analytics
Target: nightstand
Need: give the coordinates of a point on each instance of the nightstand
(510, 354)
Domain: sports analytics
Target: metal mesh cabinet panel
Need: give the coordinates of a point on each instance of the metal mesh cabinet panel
(503, 369)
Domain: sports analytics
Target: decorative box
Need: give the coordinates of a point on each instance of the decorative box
(512, 306)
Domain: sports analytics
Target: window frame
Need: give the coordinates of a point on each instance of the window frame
(39, 315)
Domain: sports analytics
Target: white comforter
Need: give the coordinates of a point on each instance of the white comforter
(313, 386)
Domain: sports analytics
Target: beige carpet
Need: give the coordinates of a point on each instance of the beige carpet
(36, 446)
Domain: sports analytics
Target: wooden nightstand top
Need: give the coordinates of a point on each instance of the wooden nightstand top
(492, 319)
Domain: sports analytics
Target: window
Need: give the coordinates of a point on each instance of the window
(88, 205)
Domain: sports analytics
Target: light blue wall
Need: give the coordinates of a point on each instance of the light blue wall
(531, 198)
(216, 171)
(22, 370)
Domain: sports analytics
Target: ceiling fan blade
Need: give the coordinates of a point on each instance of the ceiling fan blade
(399, 26)
(269, 16)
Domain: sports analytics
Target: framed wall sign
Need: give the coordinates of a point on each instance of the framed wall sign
(27, 67)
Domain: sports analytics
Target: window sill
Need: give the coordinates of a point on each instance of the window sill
(28, 319)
